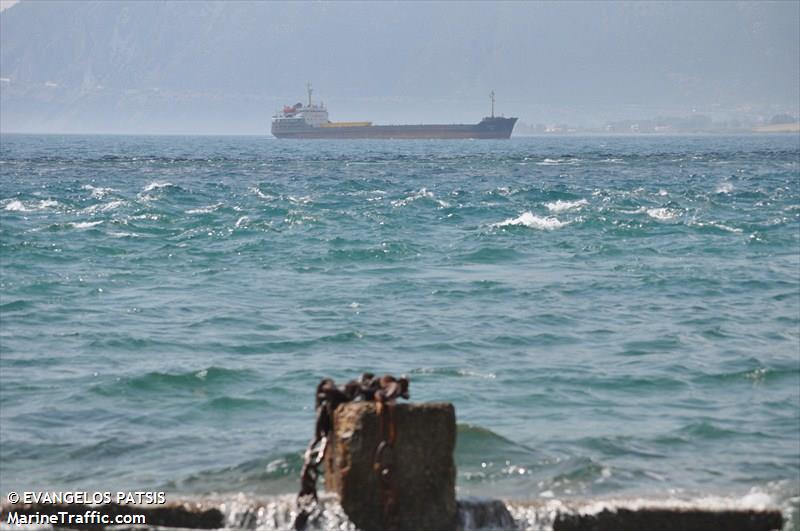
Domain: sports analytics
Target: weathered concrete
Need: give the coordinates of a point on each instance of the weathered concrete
(423, 468)
(670, 520)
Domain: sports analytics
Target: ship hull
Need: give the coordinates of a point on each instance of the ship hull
(498, 128)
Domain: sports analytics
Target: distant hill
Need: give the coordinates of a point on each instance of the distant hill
(209, 67)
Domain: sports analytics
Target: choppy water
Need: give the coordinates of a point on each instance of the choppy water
(612, 317)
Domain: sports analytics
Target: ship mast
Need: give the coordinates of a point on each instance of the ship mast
(308, 87)
(491, 95)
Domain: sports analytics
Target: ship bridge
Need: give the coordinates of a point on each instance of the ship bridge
(310, 114)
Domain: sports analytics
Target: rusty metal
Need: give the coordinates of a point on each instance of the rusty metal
(384, 465)
(384, 391)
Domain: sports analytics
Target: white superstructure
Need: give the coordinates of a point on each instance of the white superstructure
(310, 114)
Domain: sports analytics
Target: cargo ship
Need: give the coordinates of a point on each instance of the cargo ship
(311, 121)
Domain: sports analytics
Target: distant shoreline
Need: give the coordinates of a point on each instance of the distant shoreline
(778, 128)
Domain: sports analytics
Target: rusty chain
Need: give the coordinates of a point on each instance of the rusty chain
(384, 391)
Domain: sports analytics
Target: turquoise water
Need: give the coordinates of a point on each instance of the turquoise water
(611, 316)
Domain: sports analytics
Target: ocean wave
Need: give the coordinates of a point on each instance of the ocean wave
(103, 207)
(86, 224)
(302, 200)
(490, 255)
(543, 515)
(261, 194)
(153, 191)
(206, 209)
(528, 219)
(483, 455)
(715, 225)
(445, 371)
(504, 191)
(661, 214)
(177, 382)
(561, 206)
(423, 193)
(16, 205)
(48, 203)
(724, 188)
(702, 429)
(274, 474)
(97, 191)
(155, 185)
(558, 162)
(758, 375)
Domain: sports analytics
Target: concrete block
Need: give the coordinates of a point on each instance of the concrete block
(422, 465)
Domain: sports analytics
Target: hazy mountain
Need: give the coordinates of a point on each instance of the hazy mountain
(170, 66)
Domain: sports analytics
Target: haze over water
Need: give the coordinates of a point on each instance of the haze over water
(612, 317)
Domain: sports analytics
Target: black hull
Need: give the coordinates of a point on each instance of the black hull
(497, 128)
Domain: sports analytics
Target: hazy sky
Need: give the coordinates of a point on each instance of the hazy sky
(4, 4)
(212, 66)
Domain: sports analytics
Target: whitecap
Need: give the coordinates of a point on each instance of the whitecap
(662, 214)
(300, 200)
(97, 191)
(86, 224)
(557, 162)
(103, 207)
(205, 210)
(423, 193)
(261, 194)
(17, 206)
(755, 500)
(717, 225)
(534, 222)
(242, 221)
(640, 210)
(561, 206)
(724, 188)
(156, 186)
(47, 203)
(476, 374)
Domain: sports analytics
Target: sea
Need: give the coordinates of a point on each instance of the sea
(613, 317)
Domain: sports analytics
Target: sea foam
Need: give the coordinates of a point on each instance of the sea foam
(423, 193)
(156, 186)
(97, 191)
(205, 210)
(662, 214)
(528, 219)
(103, 207)
(17, 206)
(86, 224)
(561, 206)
